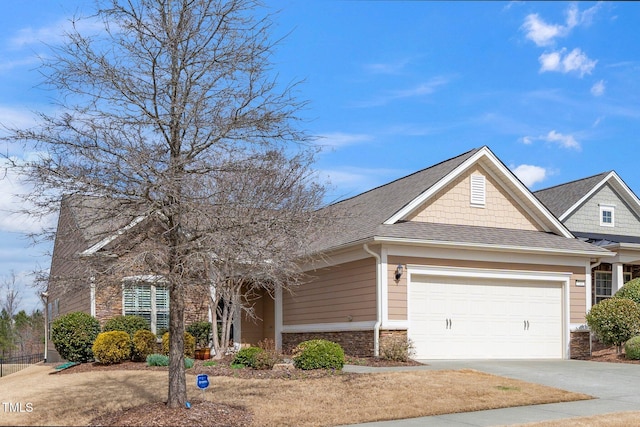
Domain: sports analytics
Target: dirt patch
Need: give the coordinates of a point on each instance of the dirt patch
(610, 355)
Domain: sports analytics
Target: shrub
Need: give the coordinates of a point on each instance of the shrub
(112, 347)
(128, 323)
(201, 331)
(318, 354)
(632, 348)
(247, 356)
(144, 344)
(189, 344)
(614, 321)
(269, 356)
(163, 360)
(398, 348)
(73, 335)
(630, 290)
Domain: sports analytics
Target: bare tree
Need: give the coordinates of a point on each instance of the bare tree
(171, 96)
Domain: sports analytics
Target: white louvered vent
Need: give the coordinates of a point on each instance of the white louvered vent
(478, 190)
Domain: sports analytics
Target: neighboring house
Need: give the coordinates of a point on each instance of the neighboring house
(460, 258)
(601, 210)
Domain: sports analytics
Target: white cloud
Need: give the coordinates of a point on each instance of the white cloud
(574, 61)
(387, 68)
(353, 180)
(541, 33)
(598, 88)
(564, 141)
(340, 139)
(545, 34)
(14, 216)
(53, 34)
(420, 90)
(530, 174)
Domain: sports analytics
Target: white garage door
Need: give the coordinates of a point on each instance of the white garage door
(468, 318)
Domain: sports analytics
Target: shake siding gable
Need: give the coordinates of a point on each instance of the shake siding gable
(452, 205)
(587, 217)
(337, 294)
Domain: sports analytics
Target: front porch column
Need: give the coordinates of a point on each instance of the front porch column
(617, 277)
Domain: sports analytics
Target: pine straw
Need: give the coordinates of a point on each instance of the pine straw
(77, 399)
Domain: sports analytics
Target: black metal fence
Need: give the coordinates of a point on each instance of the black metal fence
(9, 365)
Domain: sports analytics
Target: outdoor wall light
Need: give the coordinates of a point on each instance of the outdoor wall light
(399, 270)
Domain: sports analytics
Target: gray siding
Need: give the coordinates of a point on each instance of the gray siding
(587, 217)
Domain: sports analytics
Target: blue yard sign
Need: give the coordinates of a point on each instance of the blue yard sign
(202, 381)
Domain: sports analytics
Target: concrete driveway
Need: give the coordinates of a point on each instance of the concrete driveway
(615, 386)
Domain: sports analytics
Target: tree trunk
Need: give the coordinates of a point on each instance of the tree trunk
(177, 377)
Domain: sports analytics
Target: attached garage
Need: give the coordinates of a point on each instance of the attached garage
(486, 314)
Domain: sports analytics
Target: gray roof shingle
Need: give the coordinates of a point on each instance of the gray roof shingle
(561, 198)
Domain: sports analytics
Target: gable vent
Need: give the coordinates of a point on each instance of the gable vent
(478, 190)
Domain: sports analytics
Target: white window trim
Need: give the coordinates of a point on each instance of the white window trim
(608, 208)
(152, 282)
(595, 286)
(478, 190)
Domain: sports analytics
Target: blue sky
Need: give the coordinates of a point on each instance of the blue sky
(553, 88)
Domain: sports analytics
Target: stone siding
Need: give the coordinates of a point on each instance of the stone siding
(354, 343)
(580, 346)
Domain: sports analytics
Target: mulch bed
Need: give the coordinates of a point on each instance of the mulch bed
(610, 354)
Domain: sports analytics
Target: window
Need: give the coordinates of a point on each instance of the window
(603, 285)
(149, 301)
(478, 190)
(607, 215)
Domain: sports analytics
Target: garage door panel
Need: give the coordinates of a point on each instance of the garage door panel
(452, 317)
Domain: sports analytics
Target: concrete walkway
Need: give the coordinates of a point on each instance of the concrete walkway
(614, 385)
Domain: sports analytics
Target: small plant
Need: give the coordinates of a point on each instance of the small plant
(112, 347)
(189, 344)
(247, 356)
(128, 323)
(144, 344)
(318, 354)
(269, 356)
(73, 335)
(237, 366)
(398, 348)
(630, 290)
(614, 321)
(632, 348)
(201, 331)
(157, 360)
(210, 363)
(163, 360)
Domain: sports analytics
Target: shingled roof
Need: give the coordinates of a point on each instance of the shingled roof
(561, 198)
(362, 218)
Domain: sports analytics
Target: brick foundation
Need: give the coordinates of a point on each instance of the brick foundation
(354, 343)
(580, 345)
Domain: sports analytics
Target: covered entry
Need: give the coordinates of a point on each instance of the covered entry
(486, 314)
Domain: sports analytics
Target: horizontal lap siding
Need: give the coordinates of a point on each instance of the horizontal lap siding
(336, 294)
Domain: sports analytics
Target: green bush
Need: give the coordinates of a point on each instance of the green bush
(129, 323)
(189, 344)
(201, 331)
(163, 360)
(247, 356)
(630, 290)
(112, 347)
(73, 335)
(398, 348)
(318, 354)
(144, 344)
(632, 348)
(269, 357)
(614, 321)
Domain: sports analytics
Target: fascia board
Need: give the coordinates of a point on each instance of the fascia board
(104, 242)
(415, 203)
(627, 193)
(493, 248)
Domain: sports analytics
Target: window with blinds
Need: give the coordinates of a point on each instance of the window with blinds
(478, 190)
(148, 301)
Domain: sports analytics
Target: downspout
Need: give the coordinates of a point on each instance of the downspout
(376, 327)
